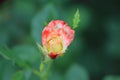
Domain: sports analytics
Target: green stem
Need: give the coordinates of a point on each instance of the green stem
(44, 65)
(45, 69)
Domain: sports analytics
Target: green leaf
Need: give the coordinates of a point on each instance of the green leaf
(40, 47)
(42, 54)
(76, 19)
(4, 55)
(5, 52)
(22, 55)
(41, 66)
(25, 54)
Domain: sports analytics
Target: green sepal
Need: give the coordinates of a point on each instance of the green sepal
(76, 19)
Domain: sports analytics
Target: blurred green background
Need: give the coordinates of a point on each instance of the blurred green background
(93, 55)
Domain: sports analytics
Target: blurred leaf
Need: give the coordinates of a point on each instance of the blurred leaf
(76, 72)
(41, 66)
(18, 76)
(76, 19)
(43, 57)
(5, 53)
(40, 47)
(41, 51)
(25, 54)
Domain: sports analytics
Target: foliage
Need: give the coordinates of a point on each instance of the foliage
(76, 19)
(93, 55)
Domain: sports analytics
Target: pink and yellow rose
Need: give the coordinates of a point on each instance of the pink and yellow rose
(56, 37)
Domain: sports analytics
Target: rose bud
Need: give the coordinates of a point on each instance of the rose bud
(56, 37)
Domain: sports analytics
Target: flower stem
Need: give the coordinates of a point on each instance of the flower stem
(45, 69)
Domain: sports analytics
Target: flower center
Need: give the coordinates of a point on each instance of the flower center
(55, 45)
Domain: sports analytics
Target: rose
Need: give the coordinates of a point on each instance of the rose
(56, 37)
